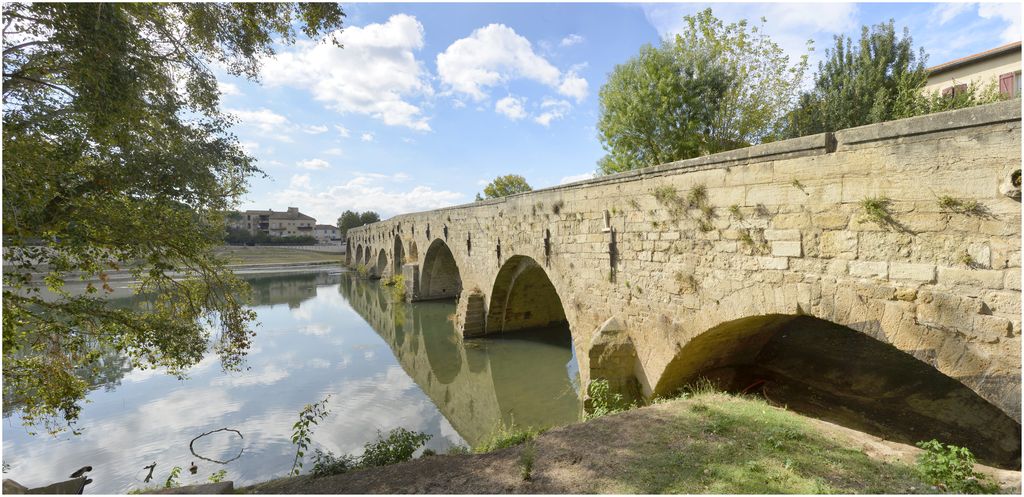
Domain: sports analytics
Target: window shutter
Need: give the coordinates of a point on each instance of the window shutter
(1006, 84)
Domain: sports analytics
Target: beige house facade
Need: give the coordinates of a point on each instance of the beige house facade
(327, 234)
(276, 223)
(1000, 66)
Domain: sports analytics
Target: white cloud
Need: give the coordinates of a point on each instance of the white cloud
(249, 147)
(493, 55)
(334, 151)
(573, 39)
(945, 12)
(551, 110)
(366, 137)
(343, 131)
(265, 120)
(1008, 12)
(366, 191)
(228, 88)
(573, 86)
(314, 129)
(314, 164)
(375, 74)
(511, 107)
(576, 177)
(299, 182)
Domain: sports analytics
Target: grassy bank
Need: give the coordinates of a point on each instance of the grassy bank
(711, 443)
(275, 255)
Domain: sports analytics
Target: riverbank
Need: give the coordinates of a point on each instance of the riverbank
(237, 256)
(712, 443)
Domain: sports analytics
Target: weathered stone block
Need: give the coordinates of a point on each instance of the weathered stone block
(915, 272)
(773, 262)
(786, 249)
(1012, 279)
(869, 269)
(787, 235)
(984, 278)
(838, 244)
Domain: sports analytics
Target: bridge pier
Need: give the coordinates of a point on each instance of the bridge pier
(411, 276)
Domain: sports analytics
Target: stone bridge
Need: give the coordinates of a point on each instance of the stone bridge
(905, 232)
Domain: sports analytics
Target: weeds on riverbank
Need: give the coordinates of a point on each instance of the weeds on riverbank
(603, 402)
(507, 436)
(302, 430)
(952, 468)
(397, 446)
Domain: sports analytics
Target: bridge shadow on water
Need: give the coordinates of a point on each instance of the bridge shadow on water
(837, 374)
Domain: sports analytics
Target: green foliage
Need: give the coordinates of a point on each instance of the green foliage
(914, 102)
(736, 212)
(326, 463)
(302, 430)
(399, 446)
(603, 401)
(397, 284)
(876, 210)
(218, 476)
(240, 236)
(966, 259)
(715, 87)
(363, 270)
(654, 108)
(503, 186)
(117, 156)
(458, 450)
(526, 458)
(507, 436)
(952, 468)
(350, 219)
(172, 478)
(968, 207)
(863, 83)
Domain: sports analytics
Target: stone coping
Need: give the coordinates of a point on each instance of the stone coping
(819, 144)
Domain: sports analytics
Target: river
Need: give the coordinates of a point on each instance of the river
(383, 364)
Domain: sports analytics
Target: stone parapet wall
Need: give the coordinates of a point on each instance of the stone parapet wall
(848, 227)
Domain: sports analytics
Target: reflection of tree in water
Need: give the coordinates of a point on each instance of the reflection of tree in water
(287, 288)
(111, 366)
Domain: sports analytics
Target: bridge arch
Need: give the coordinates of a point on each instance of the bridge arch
(414, 252)
(523, 297)
(359, 254)
(382, 264)
(440, 277)
(847, 377)
(397, 256)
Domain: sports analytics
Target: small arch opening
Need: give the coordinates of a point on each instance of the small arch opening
(523, 297)
(382, 264)
(440, 278)
(397, 257)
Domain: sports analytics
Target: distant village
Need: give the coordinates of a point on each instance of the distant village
(270, 227)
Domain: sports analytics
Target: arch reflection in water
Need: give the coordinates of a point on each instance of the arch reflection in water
(478, 386)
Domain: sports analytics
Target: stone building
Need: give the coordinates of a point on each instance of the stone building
(1000, 66)
(275, 223)
(327, 234)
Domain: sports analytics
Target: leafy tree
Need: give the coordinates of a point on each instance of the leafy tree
(347, 221)
(767, 84)
(715, 87)
(655, 109)
(368, 217)
(503, 186)
(878, 79)
(116, 156)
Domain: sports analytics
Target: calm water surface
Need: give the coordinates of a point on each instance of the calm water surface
(384, 365)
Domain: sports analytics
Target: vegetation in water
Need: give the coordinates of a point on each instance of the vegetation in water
(397, 446)
(217, 476)
(951, 468)
(302, 430)
(172, 478)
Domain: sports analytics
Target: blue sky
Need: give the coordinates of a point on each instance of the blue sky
(428, 102)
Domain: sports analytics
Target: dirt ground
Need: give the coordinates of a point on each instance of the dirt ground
(603, 456)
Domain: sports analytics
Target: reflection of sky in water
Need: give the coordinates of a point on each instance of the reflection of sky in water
(310, 343)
